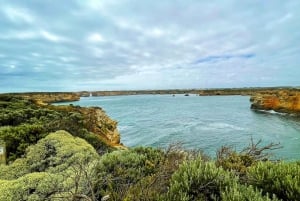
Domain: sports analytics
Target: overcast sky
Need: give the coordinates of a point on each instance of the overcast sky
(51, 45)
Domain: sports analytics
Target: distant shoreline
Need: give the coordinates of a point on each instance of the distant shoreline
(52, 97)
(278, 99)
(201, 92)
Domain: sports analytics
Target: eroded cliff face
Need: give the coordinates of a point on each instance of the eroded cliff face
(99, 123)
(286, 101)
(93, 119)
(96, 121)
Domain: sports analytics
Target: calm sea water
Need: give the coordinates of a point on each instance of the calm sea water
(205, 122)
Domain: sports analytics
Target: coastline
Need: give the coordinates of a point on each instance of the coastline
(201, 92)
(279, 99)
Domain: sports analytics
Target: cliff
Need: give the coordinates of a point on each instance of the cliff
(99, 123)
(286, 101)
(44, 98)
(95, 120)
(26, 119)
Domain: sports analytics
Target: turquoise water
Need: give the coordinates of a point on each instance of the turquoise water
(205, 122)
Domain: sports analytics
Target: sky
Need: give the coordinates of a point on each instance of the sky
(75, 45)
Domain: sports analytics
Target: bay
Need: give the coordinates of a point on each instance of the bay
(198, 122)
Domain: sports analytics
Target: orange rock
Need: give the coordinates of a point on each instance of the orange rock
(287, 101)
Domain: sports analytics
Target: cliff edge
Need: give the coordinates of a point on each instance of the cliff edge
(44, 98)
(29, 118)
(285, 101)
(95, 120)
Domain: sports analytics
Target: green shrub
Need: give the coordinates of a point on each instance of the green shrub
(229, 159)
(119, 170)
(54, 153)
(239, 162)
(15, 170)
(238, 192)
(59, 165)
(281, 179)
(198, 180)
(33, 187)
(154, 187)
(58, 151)
(18, 138)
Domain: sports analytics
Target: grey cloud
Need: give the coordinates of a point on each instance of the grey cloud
(126, 44)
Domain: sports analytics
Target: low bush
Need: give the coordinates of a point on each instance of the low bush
(119, 170)
(33, 187)
(239, 162)
(199, 180)
(238, 192)
(18, 138)
(59, 166)
(281, 179)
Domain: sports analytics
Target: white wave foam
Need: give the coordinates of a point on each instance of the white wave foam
(273, 112)
(220, 125)
(123, 128)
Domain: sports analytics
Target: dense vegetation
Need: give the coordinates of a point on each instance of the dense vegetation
(23, 123)
(46, 164)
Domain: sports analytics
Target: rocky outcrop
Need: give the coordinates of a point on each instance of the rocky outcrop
(95, 120)
(99, 123)
(285, 101)
(44, 98)
(70, 117)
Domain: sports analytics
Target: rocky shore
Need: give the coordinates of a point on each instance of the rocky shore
(285, 101)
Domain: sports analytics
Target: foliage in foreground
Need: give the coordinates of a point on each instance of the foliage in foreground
(62, 167)
(57, 167)
(283, 179)
(199, 180)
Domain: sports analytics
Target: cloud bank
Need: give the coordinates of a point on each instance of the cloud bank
(132, 44)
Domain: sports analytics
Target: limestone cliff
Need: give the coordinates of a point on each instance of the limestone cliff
(286, 101)
(68, 117)
(96, 121)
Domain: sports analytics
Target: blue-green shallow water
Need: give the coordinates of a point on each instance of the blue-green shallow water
(205, 122)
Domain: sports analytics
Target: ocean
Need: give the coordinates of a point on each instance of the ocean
(198, 122)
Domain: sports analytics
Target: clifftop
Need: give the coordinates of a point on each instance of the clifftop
(25, 120)
(286, 101)
(95, 120)
(44, 98)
